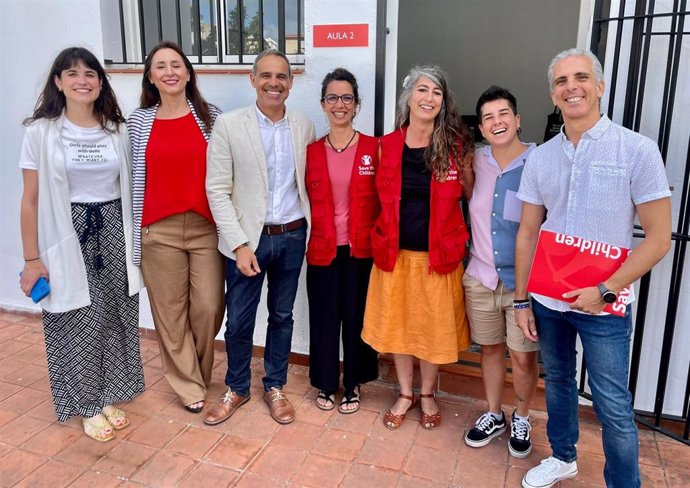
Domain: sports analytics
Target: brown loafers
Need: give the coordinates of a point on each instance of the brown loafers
(221, 410)
(282, 410)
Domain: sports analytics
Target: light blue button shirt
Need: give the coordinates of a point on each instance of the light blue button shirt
(591, 190)
(283, 196)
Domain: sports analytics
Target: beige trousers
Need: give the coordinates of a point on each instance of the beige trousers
(184, 275)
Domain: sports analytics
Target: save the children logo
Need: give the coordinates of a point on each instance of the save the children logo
(366, 168)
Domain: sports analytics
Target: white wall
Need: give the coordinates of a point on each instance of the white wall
(77, 22)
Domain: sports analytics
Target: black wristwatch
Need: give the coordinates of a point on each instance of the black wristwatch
(607, 295)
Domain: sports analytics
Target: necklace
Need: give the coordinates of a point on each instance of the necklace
(354, 133)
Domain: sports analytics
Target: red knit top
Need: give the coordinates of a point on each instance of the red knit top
(175, 170)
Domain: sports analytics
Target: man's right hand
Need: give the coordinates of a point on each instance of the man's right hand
(246, 261)
(525, 320)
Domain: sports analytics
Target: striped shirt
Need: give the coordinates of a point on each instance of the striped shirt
(139, 125)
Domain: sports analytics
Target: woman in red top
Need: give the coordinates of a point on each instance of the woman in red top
(175, 238)
(415, 305)
(340, 177)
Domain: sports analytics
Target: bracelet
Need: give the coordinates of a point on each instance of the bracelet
(245, 244)
(522, 300)
(521, 305)
(29, 260)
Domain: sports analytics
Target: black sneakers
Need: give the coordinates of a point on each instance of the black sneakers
(485, 428)
(520, 444)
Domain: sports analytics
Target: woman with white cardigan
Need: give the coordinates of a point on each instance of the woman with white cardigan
(76, 228)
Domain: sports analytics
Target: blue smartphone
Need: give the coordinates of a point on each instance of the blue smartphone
(40, 290)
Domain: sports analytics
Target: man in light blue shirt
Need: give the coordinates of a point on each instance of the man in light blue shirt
(590, 182)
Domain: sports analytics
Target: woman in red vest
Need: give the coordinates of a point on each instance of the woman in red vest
(340, 177)
(415, 306)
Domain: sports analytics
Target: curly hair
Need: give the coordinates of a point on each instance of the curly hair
(450, 139)
(51, 103)
(150, 95)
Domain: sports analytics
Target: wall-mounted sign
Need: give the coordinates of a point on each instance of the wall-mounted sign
(341, 35)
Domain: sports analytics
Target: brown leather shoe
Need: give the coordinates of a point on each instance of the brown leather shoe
(282, 410)
(221, 410)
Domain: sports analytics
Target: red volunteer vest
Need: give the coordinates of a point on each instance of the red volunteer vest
(447, 231)
(364, 205)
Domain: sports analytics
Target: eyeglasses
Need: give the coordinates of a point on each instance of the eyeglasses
(332, 99)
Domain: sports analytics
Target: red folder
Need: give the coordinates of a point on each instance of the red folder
(564, 263)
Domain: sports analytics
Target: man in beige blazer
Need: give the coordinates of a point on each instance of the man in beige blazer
(255, 187)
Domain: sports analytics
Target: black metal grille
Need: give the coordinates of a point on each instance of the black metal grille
(210, 32)
(655, 34)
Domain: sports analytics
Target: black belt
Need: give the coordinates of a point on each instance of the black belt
(277, 229)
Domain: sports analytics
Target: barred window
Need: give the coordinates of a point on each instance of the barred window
(211, 32)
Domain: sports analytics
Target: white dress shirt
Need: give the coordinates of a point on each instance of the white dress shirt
(283, 196)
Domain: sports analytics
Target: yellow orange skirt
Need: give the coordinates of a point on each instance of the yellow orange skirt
(412, 311)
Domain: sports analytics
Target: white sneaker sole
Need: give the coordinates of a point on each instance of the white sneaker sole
(518, 454)
(525, 484)
(484, 442)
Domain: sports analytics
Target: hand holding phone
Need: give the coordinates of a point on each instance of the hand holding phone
(40, 290)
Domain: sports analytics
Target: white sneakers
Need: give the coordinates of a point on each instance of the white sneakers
(548, 473)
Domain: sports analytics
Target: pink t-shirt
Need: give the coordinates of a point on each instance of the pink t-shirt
(340, 172)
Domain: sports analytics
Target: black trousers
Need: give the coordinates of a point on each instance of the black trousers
(337, 296)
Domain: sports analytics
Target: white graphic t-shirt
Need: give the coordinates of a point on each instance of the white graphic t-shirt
(93, 169)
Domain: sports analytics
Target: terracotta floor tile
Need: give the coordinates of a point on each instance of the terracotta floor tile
(318, 472)
(590, 468)
(653, 477)
(649, 452)
(9, 366)
(307, 411)
(21, 429)
(253, 480)
(86, 452)
(407, 481)
(44, 410)
(468, 472)
(675, 459)
(164, 470)
(251, 424)
(17, 464)
(377, 398)
(12, 330)
(52, 440)
(430, 464)
(496, 452)
(94, 479)
(26, 399)
(209, 475)
(150, 402)
(590, 439)
(156, 432)
(361, 475)
(34, 354)
(298, 435)
(538, 453)
(514, 477)
(52, 474)
(444, 438)
(7, 416)
(7, 390)
(278, 463)
(31, 336)
(234, 452)
(125, 459)
(383, 453)
(152, 376)
(194, 442)
(163, 385)
(361, 421)
(10, 348)
(340, 444)
(26, 375)
(297, 384)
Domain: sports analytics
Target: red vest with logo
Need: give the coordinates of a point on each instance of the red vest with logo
(447, 230)
(363, 203)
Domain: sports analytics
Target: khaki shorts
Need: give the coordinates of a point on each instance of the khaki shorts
(492, 318)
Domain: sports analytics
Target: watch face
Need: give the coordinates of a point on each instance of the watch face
(609, 297)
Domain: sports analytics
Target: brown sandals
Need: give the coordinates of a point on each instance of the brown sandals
(393, 421)
(432, 421)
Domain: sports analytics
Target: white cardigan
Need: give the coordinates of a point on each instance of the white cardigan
(58, 242)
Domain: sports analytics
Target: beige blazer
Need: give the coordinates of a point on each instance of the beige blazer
(237, 175)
